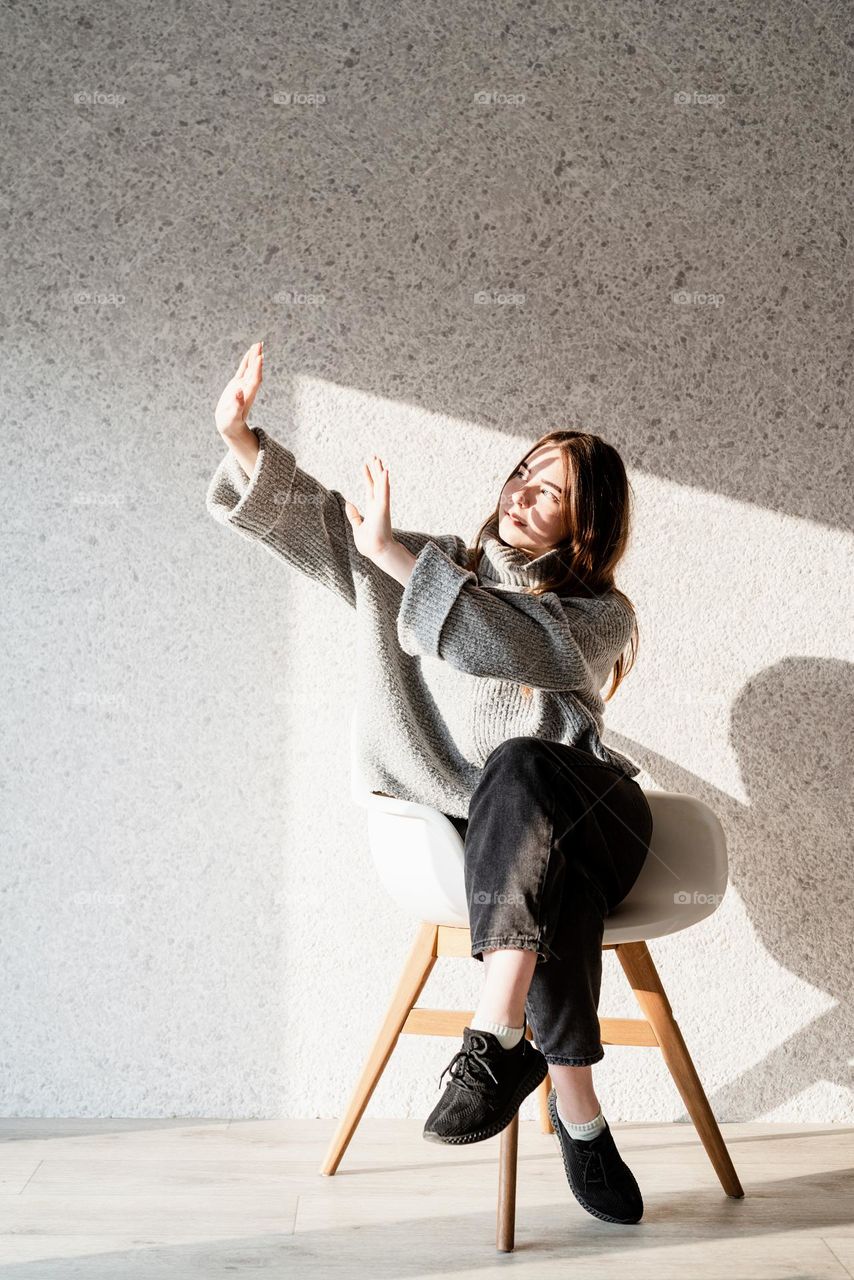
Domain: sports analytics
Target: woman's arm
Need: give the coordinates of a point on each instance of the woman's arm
(546, 641)
(243, 443)
(290, 513)
(259, 491)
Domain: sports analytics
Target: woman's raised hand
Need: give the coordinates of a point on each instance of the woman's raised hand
(372, 533)
(236, 400)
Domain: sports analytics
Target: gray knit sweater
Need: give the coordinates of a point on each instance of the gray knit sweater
(452, 664)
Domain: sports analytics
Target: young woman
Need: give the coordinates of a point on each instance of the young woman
(479, 677)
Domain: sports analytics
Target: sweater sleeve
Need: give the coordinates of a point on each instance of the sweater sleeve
(290, 513)
(544, 641)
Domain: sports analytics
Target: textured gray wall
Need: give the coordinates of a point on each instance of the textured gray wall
(473, 223)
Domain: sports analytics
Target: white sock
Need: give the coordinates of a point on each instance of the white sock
(586, 1131)
(507, 1037)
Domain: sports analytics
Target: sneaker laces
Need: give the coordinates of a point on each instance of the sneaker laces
(592, 1168)
(466, 1066)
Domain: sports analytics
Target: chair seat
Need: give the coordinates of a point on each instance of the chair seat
(419, 856)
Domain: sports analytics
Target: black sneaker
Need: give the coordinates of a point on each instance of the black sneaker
(487, 1087)
(599, 1178)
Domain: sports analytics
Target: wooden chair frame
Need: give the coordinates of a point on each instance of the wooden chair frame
(657, 1029)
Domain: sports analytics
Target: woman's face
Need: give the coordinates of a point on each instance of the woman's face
(533, 494)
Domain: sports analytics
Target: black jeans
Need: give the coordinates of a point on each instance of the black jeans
(554, 840)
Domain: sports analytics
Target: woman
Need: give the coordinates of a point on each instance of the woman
(479, 673)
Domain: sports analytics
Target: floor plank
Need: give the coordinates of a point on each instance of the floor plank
(134, 1198)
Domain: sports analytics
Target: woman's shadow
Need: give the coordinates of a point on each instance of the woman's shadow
(790, 860)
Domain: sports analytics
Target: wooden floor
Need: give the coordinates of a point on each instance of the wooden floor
(207, 1198)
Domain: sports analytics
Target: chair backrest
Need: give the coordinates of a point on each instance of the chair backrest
(420, 858)
(684, 877)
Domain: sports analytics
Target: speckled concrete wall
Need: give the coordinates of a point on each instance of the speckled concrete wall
(455, 228)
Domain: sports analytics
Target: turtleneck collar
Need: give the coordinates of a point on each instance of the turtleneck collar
(511, 568)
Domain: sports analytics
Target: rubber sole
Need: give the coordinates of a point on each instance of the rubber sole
(526, 1085)
(604, 1217)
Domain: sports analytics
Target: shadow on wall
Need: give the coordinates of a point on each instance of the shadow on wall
(789, 858)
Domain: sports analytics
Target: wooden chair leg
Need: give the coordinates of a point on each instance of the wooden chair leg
(505, 1236)
(643, 978)
(417, 969)
(543, 1091)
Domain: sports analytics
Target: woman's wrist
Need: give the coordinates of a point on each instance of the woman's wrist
(244, 444)
(395, 560)
(236, 431)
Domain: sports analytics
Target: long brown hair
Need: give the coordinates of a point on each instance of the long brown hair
(596, 509)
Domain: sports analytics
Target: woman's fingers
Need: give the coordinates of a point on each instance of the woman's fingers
(384, 479)
(376, 474)
(255, 354)
(251, 377)
(248, 376)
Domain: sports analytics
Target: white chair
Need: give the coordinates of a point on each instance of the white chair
(419, 856)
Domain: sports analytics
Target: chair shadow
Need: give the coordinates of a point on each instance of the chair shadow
(789, 850)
